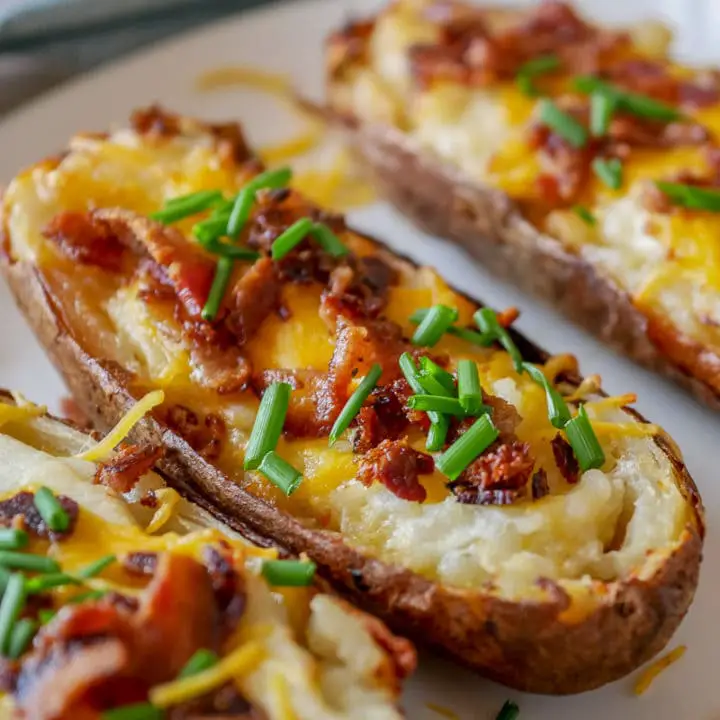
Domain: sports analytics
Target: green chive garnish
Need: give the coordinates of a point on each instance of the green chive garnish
(433, 386)
(533, 68)
(609, 171)
(20, 637)
(42, 583)
(223, 272)
(558, 411)
(228, 250)
(186, 205)
(13, 539)
(51, 511)
(469, 392)
(563, 124)
(212, 228)
(280, 472)
(584, 214)
(439, 424)
(633, 103)
(138, 711)
(201, 660)
(691, 197)
(434, 325)
(289, 573)
(5, 576)
(268, 425)
(437, 434)
(509, 711)
(26, 561)
(437, 403)
(240, 213)
(289, 239)
(467, 447)
(328, 240)
(45, 615)
(601, 111)
(95, 568)
(470, 336)
(486, 320)
(584, 442)
(89, 595)
(13, 601)
(355, 402)
(441, 377)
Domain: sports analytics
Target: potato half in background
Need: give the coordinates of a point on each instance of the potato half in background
(476, 493)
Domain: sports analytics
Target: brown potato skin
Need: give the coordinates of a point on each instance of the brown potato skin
(489, 226)
(525, 645)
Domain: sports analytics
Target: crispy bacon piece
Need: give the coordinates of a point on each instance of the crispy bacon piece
(140, 563)
(539, 484)
(206, 437)
(498, 477)
(565, 459)
(227, 584)
(397, 466)
(127, 466)
(504, 415)
(85, 240)
(21, 508)
(348, 46)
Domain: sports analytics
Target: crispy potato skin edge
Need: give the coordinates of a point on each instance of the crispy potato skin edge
(525, 645)
(488, 226)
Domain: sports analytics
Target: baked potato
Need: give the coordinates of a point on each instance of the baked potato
(576, 161)
(133, 593)
(328, 396)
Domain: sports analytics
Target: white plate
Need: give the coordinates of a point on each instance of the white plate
(288, 38)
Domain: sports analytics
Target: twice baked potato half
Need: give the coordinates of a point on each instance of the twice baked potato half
(323, 394)
(118, 595)
(576, 161)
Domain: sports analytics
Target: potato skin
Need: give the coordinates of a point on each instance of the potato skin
(525, 645)
(488, 225)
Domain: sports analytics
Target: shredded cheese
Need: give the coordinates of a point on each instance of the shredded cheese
(618, 401)
(649, 674)
(105, 447)
(20, 413)
(558, 364)
(281, 693)
(232, 75)
(238, 663)
(628, 429)
(442, 711)
(169, 499)
(299, 145)
(589, 386)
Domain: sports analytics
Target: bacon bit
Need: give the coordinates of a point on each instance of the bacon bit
(508, 316)
(8, 675)
(397, 466)
(70, 410)
(505, 416)
(348, 46)
(498, 477)
(22, 506)
(206, 438)
(654, 669)
(228, 585)
(87, 241)
(140, 563)
(565, 459)
(539, 484)
(122, 471)
(155, 121)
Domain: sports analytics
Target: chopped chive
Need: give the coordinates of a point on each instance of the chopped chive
(45, 615)
(290, 238)
(223, 272)
(355, 402)
(42, 583)
(467, 447)
(438, 403)
(437, 434)
(201, 660)
(633, 103)
(601, 112)
(584, 442)
(609, 171)
(434, 325)
(5, 575)
(486, 320)
(289, 573)
(51, 511)
(13, 539)
(558, 411)
(470, 336)
(430, 369)
(328, 240)
(212, 228)
(95, 568)
(526, 85)
(13, 601)
(243, 203)
(228, 250)
(563, 124)
(20, 637)
(531, 69)
(469, 391)
(432, 386)
(509, 711)
(691, 197)
(137, 711)
(89, 595)
(280, 472)
(268, 425)
(26, 561)
(187, 205)
(584, 214)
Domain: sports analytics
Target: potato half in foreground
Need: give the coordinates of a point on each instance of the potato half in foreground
(578, 162)
(333, 398)
(119, 595)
